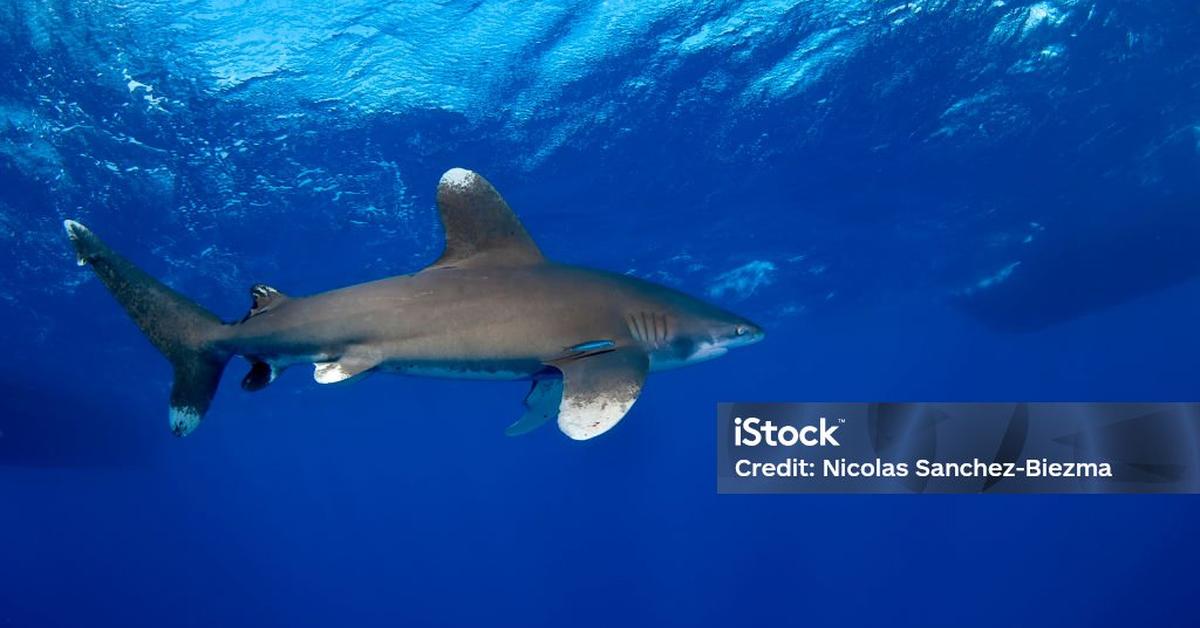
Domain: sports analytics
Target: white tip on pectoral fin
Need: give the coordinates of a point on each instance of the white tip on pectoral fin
(587, 420)
(598, 390)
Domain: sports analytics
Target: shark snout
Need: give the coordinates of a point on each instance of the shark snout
(747, 333)
(737, 334)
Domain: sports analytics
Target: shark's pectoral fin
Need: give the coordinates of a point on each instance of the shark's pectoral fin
(598, 390)
(541, 405)
(349, 367)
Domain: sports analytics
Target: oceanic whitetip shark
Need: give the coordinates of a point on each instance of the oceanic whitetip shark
(491, 307)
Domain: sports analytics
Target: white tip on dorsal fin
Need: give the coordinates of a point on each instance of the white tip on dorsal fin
(481, 229)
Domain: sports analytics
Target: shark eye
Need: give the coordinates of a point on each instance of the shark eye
(741, 330)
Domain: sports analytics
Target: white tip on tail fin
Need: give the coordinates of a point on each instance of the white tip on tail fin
(183, 420)
(187, 334)
(76, 231)
(73, 228)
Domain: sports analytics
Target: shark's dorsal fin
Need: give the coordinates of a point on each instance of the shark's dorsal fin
(263, 297)
(481, 229)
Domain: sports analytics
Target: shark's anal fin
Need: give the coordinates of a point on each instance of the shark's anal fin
(351, 366)
(260, 376)
(481, 229)
(541, 405)
(598, 389)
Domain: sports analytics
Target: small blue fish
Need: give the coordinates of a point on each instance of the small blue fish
(592, 345)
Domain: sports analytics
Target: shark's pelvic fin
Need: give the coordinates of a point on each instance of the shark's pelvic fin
(541, 405)
(481, 229)
(346, 368)
(598, 389)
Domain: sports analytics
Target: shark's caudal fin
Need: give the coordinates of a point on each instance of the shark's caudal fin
(184, 332)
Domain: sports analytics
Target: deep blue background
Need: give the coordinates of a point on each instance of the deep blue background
(930, 200)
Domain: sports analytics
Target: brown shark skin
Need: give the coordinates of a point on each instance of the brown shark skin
(479, 322)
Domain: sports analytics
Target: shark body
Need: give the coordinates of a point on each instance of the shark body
(491, 307)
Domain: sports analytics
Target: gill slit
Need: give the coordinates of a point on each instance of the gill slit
(650, 328)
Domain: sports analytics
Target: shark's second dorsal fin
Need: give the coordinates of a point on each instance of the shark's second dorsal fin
(263, 298)
(481, 229)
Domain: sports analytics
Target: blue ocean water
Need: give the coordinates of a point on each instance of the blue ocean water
(924, 200)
